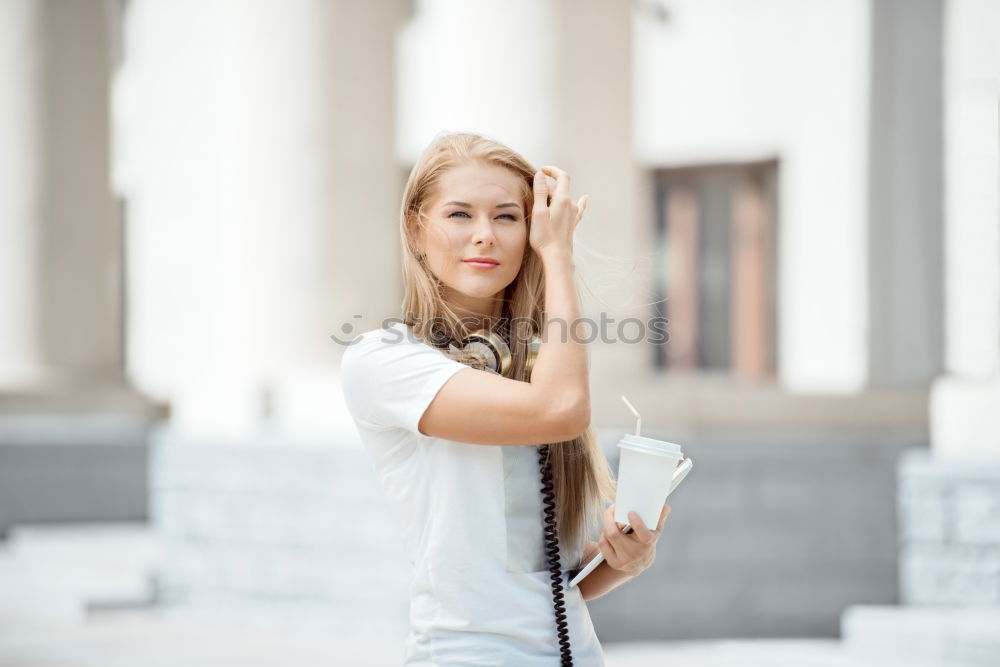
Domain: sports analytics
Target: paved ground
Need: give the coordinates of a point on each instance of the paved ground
(151, 640)
(81, 597)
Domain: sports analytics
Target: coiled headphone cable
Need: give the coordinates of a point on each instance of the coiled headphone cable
(552, 554)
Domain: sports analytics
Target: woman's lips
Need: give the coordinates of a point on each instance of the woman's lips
(481, 265)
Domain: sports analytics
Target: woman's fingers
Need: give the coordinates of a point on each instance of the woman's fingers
(581, 207)
(663, 517)
(554, 215)
(562, 180)
(644, 534)
(541, 188)
(604, 544)
(612, 533)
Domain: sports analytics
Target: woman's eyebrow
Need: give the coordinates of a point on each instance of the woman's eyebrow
(464, 205)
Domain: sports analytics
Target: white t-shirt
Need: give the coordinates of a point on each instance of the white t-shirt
(471, 518)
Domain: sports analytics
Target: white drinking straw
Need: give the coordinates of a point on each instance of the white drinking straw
(638, 419)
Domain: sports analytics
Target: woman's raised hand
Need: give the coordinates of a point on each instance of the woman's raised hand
(553, 223)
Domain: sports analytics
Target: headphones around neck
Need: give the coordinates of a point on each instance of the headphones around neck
(494, 351)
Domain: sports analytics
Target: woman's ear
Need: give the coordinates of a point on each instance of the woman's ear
(417, 245)
(413, 232)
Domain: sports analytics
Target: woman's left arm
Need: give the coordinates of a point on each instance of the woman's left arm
(626, 555)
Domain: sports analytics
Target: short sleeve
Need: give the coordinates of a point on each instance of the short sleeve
(389, 377)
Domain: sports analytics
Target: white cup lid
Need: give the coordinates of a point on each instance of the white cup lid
(640, 443)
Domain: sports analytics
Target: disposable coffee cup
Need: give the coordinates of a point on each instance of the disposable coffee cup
(645, 470)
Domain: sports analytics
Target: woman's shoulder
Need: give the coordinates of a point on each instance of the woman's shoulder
(395, 345)
(384, 338)
(389, 376)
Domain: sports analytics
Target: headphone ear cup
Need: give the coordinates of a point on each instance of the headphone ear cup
(491, 348)
(483, 352)
(529, 362)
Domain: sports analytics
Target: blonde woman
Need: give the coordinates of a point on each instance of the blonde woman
(491, 470)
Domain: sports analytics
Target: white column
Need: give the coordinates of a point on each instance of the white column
(255, 150)
(80, 300)
(593, 130)
(483, 67)
(965, 403)
(21, 97)
(59, 255)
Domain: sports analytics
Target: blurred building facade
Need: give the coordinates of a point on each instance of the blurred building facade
(807, 192)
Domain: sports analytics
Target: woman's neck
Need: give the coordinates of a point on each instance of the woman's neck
(475, 321)
(485, 314)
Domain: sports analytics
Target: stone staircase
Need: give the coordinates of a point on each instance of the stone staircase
(949, 553)
(247, 550)
(64, 572)
(74, 595)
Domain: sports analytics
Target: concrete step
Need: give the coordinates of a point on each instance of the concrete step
(212, 638)
(750, 653)
(192, 638)
(946, 635)
(64, 571)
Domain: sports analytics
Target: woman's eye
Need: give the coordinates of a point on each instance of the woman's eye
(505, 215)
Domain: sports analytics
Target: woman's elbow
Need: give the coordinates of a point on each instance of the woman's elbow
(574, 418)
(583, 417)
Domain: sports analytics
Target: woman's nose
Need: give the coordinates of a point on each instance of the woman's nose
(483, 230)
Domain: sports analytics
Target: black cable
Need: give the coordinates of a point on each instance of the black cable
(552, 554)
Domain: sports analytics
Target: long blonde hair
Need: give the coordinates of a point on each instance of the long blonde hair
(582, 481)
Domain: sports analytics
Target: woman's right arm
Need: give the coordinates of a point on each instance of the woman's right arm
(561, 368)
(479, 407)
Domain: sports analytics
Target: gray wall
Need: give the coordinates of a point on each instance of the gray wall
(66, 468)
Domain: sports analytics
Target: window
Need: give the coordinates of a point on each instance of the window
(716, 273)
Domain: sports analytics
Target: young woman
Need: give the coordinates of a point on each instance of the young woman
(493, 475)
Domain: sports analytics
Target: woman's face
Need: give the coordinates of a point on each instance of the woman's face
(476, 211)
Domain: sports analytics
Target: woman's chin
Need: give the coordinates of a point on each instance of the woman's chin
(478, 290)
